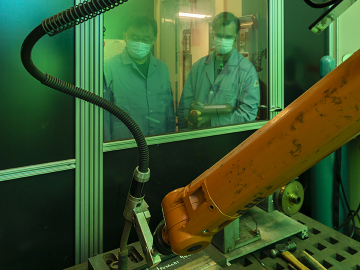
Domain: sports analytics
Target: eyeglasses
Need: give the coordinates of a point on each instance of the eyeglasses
(143, 40)
(224, 36)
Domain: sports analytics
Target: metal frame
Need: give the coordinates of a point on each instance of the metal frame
(45, 168)
(182, 136)
(89, 137)
(334, 41)
(276, 86)
(276, 55)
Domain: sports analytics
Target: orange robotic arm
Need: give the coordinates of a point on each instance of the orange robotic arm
(323, 119)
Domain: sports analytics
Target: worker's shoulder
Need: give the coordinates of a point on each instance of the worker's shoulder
(114, 61)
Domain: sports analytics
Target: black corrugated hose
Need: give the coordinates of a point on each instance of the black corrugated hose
(74, 91)
(321, 5)
(61, 22)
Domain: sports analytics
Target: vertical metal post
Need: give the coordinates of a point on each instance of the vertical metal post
(276, 56)
(89, 139)
(157, 16)
(334, 41)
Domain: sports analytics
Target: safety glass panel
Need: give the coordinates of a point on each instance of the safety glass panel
(182, 66)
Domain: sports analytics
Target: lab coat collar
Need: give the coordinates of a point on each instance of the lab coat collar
(233, 60)
(210, 62)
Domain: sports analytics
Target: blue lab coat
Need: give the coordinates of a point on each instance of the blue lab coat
(237, 85)
(149, 101)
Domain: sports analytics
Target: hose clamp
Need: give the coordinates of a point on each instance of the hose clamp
(141, 177)
(130, 205)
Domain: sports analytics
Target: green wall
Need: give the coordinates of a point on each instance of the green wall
(37, 125)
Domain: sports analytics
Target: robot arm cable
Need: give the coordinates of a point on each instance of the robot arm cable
(74, 91)
(61, 22)
(321, 5)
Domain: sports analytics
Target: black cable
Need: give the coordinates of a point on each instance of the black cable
(338, 175)
(26, 49)
(61, 22)
(350, 211)
(78, 14)
(321, 5)
(351, 216)
(336, 190)
(337, 169)
(262, 264)
(74, 91)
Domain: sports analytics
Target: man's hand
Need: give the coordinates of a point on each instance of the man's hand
(203, 120)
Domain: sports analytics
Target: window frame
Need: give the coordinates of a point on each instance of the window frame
(275, 86)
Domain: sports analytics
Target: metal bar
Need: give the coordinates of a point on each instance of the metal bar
(181, 136)
(39, 169)
(86, 130)
(276, 55)
(101, 135)
(97, 33)
(89, 139)
(157, 16)
(83, 153)
(77, 147)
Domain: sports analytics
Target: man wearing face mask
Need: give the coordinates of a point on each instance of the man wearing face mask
(223, 78)
(139, 83)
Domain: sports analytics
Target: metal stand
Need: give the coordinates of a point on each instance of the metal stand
(273, 227)
(237, 234)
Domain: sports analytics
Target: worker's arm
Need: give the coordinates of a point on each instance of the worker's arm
(247, 102)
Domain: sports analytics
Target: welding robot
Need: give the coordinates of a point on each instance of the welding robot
(316, 124)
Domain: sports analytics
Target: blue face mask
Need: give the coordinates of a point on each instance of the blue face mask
(223, 45)
(137, 50)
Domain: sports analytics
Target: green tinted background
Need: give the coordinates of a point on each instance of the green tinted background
(115, 19)
(37, 123)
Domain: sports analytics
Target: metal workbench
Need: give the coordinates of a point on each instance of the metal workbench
(331, 248)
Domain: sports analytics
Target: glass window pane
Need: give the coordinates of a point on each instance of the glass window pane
(179, 65)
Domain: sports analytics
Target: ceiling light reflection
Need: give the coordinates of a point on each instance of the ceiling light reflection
(191, 15)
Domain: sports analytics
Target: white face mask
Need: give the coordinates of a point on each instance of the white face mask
(138, 50)
(223, 45)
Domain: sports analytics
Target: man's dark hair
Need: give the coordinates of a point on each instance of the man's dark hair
(225, 18)
(140, 20)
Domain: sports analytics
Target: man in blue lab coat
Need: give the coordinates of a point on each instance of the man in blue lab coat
(139, 83)
(223, 77)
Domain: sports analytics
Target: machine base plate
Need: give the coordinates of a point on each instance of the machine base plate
(273, 227)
